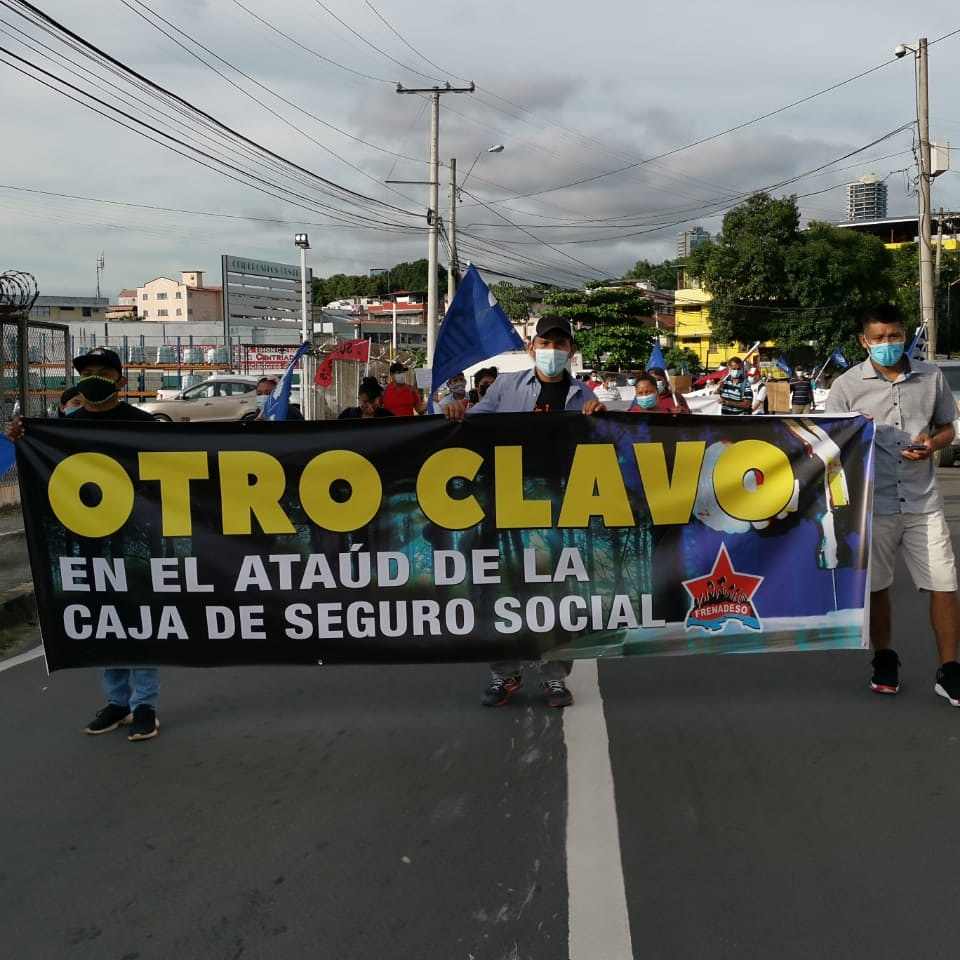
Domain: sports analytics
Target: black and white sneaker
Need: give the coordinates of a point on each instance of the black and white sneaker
(556, 693)
(145, 723)
(886, 672)
(501, 689)
(108, 719)
(948, 683)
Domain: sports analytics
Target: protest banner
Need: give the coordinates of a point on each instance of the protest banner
(508, 536)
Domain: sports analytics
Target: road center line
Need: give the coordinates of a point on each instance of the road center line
(599, 921)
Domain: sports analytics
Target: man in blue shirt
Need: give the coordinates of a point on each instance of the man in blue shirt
(546, 388)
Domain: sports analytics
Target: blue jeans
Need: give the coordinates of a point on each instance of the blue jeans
(132, 687)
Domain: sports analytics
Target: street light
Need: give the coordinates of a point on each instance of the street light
(927, 312)
(303, 242)
(496, 148)
(455, 194)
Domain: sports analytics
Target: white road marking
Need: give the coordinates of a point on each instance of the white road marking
(599, 921)
(21, 658)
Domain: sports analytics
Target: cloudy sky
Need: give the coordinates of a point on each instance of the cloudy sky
(622, 123)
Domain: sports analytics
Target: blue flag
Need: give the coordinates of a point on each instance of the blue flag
(656, 358)
(784, 366)
(838, 358)
(474, 329)
(279, 400)
(8, 456)
(918, 349)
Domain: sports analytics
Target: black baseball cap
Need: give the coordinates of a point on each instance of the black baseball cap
(547, 323)
(99, 356)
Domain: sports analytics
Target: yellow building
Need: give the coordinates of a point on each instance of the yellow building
(694, 330)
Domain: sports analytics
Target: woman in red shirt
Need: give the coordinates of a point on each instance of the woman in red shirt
(401, 399)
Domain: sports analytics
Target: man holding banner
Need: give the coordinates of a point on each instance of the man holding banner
(131, 692)
(546, 388)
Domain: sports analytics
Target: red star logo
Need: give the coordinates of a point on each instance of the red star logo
(722, 584)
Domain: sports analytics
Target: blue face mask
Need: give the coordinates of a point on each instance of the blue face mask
(551, 362)
(887, 354)
(648, 402)
(71, 410)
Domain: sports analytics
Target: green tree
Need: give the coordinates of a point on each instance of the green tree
(664, 275)
(677, 358)
(610, 324)
(771, 281)
(514, 300)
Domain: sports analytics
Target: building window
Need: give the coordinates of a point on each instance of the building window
(146, 296)
(146, 313)
(179, 312)
(179, 295)
(161, 296)
(189, 310)
(161, 313)
(40, 312)
(87, 312)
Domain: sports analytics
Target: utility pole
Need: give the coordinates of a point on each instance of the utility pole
(100, 265)
(432, 213)
(927, 312)
(453, 267)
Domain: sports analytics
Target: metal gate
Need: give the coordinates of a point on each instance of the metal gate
(34, 363)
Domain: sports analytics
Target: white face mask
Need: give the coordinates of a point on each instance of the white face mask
(551, 363)
(400, 377)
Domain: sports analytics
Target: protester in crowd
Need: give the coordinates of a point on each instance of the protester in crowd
(265, 386)
(594, 380)
(912, 407)
(759, 390)
(735, 394)
(801, 393)
(481, 383)
(547, 387)
(70, 402)
(456, 389)
(608, 391)
(668, 400)
(131, 692)
(370, 398)
(647, 396)
(401, 398)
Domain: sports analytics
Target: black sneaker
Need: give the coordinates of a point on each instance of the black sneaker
(886, 672)
(145, 723)
(948, 682)
(501, 689)
(556, 693)
(108, 719)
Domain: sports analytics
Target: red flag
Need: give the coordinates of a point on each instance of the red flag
(348, 350)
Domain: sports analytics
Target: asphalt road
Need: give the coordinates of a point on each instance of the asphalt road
(766, 807)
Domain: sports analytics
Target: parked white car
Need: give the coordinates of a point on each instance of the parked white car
(227, 396)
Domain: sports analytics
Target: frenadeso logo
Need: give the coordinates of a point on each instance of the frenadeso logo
(723, 594)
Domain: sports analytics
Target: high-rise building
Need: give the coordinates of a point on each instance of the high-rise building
(689, 239)
(867, 198)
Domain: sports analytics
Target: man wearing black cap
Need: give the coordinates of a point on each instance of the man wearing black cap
(131, 692)
(546, 388)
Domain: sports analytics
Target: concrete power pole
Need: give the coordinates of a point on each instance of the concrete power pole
(432, 212)
(452, 265)
(927, 311)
